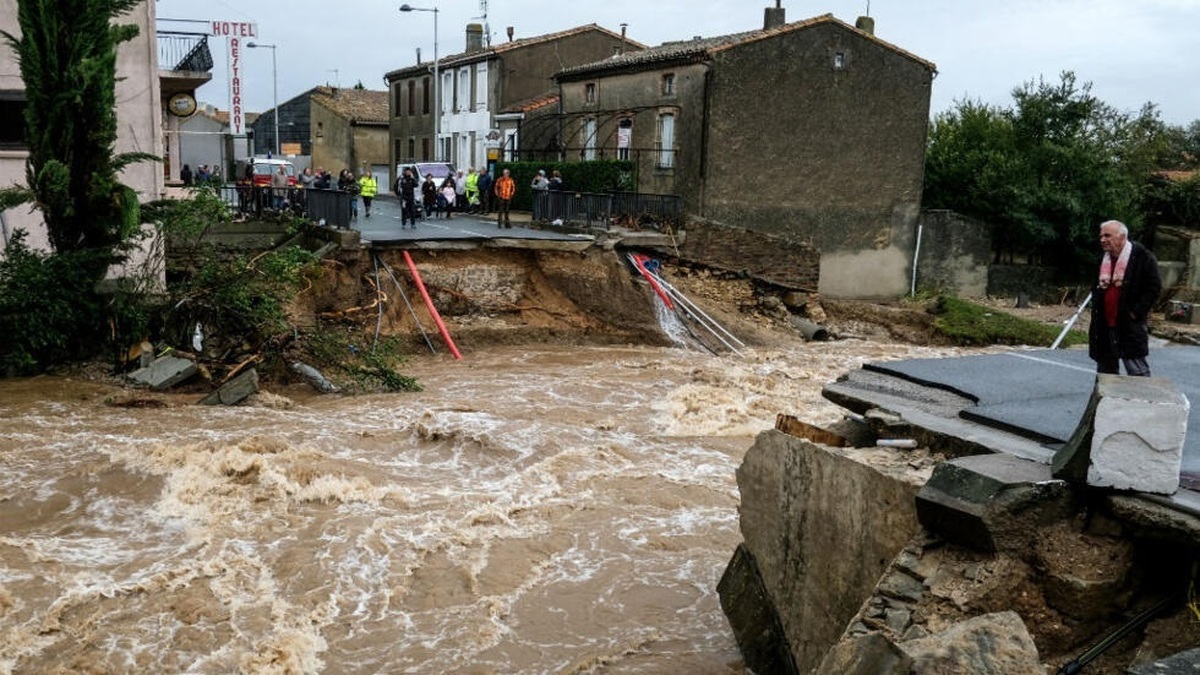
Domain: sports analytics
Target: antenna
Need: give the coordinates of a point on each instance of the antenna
(487, 31)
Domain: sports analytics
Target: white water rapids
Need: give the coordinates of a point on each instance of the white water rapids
(534, 510)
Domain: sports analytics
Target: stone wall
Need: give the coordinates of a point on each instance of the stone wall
(821, 524)
(762, 256)
(955, 252)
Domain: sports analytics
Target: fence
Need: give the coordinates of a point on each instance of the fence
(602, 210)
(328, 207)
(184, 51)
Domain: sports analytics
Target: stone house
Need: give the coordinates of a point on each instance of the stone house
(350, 130)
(812, 131)
(331, 128)
(479, 83)
(141, 92)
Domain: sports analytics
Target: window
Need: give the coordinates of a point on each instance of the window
(668, 84)
(589, 139)
(480, 100)
(425, 97)
(839, 60)
(320, 130)
(665, 142)
(412, 149)
(447, 94)
(425, 147)
(396, 102)
(624, 137)
(464, 90)
(412, 97)
(589, 92)
(12, 120)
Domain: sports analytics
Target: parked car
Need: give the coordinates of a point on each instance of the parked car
(263, 168)
(421, 169)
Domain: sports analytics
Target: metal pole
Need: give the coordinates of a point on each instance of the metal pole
(437, 94)
(275, 96)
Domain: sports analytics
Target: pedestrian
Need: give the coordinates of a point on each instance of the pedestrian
(505, 189)
(408, 198)
(185, 175)
(279, 186)
(460, 192)
(429, 194)
(306, 179)
(472, 190)
(368, 187)
(556, 182)
(449, 197)
(347, 184)
(539, 181)
(202, 174)
(1128, 287)
(323, 179)
(484, 184)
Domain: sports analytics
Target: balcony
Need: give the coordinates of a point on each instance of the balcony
(184, 61)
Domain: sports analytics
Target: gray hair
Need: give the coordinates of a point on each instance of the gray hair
(1121, 229)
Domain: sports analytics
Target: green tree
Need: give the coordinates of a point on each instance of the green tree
(67, 51)
(1045, 172)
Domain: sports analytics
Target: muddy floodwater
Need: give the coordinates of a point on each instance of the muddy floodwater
(534, 510)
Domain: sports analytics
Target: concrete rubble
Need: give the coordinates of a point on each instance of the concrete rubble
(165, 372)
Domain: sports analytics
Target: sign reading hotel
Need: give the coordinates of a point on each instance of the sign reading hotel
(235, 31)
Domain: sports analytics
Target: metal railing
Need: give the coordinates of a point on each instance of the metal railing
(184, 51)
(331, 208)
(603, 210)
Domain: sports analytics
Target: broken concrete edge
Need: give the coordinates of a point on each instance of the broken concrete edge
(756, 625)
(235, 390)
(165, 372)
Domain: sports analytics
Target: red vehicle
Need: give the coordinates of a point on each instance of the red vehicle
(258, 171)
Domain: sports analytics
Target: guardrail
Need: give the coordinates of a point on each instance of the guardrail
(602, 210)
(184, 51)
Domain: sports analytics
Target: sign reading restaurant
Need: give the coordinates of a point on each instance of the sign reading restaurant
(235, 31)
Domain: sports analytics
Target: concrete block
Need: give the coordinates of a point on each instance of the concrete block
(871, 653)
(991, 502)
(1138, 434)
(165, 372)
(1183, 663)
(756, 625)
(234, 391)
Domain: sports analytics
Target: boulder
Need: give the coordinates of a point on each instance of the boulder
(870, 654)
(991, 643)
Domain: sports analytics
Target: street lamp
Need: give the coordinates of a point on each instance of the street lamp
(274, 90)
(437, 80)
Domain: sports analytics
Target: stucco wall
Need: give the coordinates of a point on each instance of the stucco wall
(955, 252)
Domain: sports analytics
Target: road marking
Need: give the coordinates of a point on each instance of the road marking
(1051, 362)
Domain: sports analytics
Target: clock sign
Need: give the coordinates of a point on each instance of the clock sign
(182, 105)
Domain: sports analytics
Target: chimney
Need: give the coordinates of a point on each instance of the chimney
(866, 24)
(474, 37)
(510, 33)
(774, 17)
(418, 56)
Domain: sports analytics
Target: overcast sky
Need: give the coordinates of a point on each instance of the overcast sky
(1132, 51)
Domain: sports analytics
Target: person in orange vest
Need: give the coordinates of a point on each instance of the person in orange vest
(505, 189)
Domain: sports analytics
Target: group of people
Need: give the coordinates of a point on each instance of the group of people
(475, 192)
(202, 175)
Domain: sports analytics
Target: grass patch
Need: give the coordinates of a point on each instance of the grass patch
(966, 323)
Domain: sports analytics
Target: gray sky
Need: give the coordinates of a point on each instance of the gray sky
(1132, 51)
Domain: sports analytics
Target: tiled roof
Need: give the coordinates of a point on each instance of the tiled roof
(703, 48)
(361, 106)
(1177, 176)
(531, 104)
(503, 47)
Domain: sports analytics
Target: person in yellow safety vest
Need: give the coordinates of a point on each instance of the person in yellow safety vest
(368, 187)
(472, 190)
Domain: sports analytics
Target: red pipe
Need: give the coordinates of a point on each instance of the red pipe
(640, 261)
(437, 318)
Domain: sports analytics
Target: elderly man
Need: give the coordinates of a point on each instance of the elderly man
(1128, 287)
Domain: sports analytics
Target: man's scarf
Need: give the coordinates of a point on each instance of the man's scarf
(1115, 274)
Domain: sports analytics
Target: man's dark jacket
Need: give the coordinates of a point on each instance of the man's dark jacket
(1139, 292)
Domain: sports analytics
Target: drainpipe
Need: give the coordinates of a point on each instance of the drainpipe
(704, 125)
(916, 256)
(4, 228)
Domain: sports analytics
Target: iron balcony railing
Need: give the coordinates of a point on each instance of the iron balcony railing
(184, 51)
(598, 210)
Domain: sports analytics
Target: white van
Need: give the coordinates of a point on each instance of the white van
(439, 170)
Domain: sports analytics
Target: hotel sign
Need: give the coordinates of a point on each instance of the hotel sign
(235, 32)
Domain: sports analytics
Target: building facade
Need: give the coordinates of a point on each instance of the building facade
(350, 131)
(476, 85)
(813, 130)
(139, 115)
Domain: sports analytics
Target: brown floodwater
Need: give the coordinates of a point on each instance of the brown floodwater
(534, 510)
